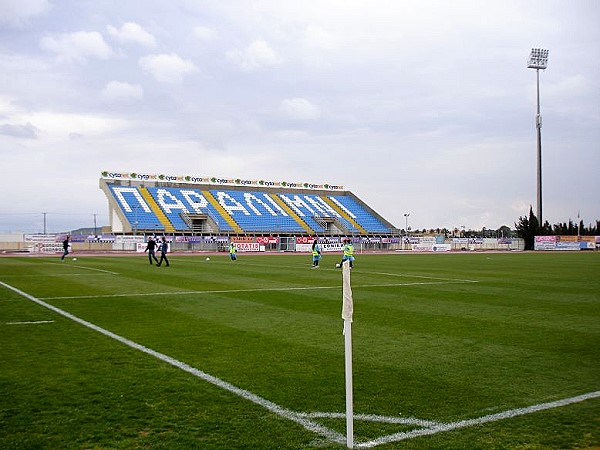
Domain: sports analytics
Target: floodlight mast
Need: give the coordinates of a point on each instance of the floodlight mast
(538, 59)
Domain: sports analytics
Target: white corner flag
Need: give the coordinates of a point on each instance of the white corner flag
(347, 306)
(347, 311)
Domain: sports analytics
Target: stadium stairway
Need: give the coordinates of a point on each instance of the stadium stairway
(360, 212)
(224, 214)
(292, 214)
(160, 215)
(342, 213)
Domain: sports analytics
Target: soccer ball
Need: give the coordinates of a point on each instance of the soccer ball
(74, 259)
(338, 266)
(208, 259)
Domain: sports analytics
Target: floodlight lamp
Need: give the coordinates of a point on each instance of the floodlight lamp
(538, 59)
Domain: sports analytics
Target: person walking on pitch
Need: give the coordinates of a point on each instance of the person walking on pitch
(164, 248)
(316, 253)
(348, 253)
(232, 251)
(151, 249)
(65, 248)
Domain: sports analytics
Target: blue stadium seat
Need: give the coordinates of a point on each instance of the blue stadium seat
(174, 201)
(256, 212)
(307, 206)
(365, 219)
(135, 208)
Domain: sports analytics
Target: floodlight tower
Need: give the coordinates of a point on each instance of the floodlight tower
(538, 59)
(406, 229)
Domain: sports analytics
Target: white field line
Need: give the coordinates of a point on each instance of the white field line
(226, 291)
(303, 419)
(374, 418)
(372, 273)
(46, 275)
(404, 275)
(86, 268)
(270, 406)
(477, 421)
(420, 276)
(30, 323)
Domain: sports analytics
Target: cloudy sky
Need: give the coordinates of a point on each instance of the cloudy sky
(423, 107)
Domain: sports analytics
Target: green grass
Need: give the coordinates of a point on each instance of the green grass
(443, 338)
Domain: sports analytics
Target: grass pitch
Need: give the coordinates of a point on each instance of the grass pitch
(457, 351)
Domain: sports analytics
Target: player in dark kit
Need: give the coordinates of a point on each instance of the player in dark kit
(65, 248)
(164, 248)
(151, 249)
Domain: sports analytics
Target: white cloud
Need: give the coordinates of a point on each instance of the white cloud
(27, 131)
(568, 88)
(256, 55)
(65, 125)
(437, 92)
(300, 108)
(132, 32)
(204, 33)
(7, 106)
(319, 37)
(18, 12)
(117, 90)
(167, 68)
(77, 46)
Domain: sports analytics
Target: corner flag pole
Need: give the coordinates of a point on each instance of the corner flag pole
(347, 310)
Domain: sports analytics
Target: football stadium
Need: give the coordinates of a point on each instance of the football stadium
(316, 225)
(257, 212)
(207, 214)
(485, 348)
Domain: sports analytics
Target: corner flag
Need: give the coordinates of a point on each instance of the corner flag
(347, 306)
(347, 311)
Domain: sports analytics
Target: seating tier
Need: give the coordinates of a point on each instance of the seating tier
(363, 217)
(254, 212)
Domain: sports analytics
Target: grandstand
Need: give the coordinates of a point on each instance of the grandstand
(185, 205)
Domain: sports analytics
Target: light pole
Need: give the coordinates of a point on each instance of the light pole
(406, 225)
(137, 207)
(538, 59)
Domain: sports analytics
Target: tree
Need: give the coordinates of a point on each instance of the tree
(545, 229)
(504, 231)
(527, 228)
(573, 229)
